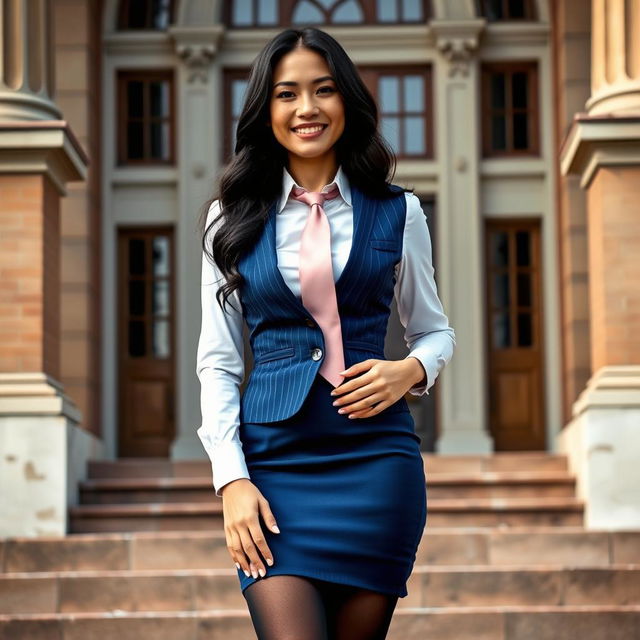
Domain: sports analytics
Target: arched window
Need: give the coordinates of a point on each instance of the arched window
(285, 13)
(146, 14)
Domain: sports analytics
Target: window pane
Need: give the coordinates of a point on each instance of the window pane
(306, 12)
(493, 9)
(137, 346)
(135, 144)
(525, 336)
(498, 132)
(500, 249)
(388, 88)
(161, 338)
(242, 13)
(159, 99)
(497, 91)
(134, 98)
(501, 290)
(160, 298)
(501, 330)
(160, 140)
(160, 256)
(520, 131)
(516, 9)
(524, 289)
(390, 130)
(160, 18)
(234, 126)
(238, 88)
(136, 17)
(414, 135)
(387, 11)
(136, 256)
(327, 4)
(411, 10)
(349, 12)
(414, 93)
(523, 254)
(519, 96)
(136, 297)
(267, 12)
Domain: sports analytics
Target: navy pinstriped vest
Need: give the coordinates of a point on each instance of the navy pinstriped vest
(284, 337)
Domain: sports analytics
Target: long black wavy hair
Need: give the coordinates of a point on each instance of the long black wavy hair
(252, 180)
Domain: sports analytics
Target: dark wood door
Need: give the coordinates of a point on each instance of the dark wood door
(146, 344)
(515, 341)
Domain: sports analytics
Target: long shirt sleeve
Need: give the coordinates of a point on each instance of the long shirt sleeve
(427, 332)
(220, 369)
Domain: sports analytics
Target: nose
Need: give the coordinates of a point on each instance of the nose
(308, 105)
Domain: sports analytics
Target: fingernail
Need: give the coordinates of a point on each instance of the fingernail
(275, 528)
(262, 572)
(270, 562)
(254, 573)
(246, 573)
(342, 411)
(237, 566)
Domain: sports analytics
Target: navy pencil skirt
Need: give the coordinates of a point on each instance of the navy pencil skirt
(349, 495)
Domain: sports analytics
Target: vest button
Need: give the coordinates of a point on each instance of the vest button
(309, 322)
(316, 354)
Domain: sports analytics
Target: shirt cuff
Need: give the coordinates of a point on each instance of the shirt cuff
(431, 368)
(227, 464)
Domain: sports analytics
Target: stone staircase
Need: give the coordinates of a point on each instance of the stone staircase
(503, 557)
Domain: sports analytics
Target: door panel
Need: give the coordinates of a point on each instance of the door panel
(146, 383)
(515, 345)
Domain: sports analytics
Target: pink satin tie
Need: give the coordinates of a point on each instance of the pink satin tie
(317, 286)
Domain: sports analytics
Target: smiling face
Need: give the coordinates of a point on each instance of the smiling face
(306, 108)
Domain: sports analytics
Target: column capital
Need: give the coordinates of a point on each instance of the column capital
(42, 146)
(197, 47)
(595, 141)
(457, 41)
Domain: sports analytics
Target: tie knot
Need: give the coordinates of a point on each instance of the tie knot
(314, 197)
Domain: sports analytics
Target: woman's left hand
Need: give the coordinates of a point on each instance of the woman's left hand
(383, 382)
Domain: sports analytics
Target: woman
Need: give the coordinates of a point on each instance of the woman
(307, 241)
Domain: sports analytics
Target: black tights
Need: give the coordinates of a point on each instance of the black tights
(289, 607)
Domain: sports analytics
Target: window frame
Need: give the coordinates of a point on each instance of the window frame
(531, 67)
(530, 11)
(123, 76)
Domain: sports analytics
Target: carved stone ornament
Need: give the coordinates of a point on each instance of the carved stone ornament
(458, 52)
(197, 57)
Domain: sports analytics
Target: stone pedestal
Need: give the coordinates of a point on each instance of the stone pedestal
(602, 443)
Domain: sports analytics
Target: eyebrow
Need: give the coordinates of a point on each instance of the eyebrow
(295, 84)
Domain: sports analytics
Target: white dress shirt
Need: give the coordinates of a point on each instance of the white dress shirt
(220, 355)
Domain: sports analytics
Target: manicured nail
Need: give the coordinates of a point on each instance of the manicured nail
(270, 562)
(262, 572)
(342, 411)
(237, 566)
(246, 573)
(275, 528)
(254, 573)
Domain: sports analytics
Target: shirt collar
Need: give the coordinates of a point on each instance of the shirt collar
(340, 179)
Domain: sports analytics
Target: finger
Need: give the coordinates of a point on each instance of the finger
(366, 404)
(361, 393)
(372, 411)
(234, 545)
(250, 549)
(261, 545)
(356, 383)
(354, 370)
(270, 521)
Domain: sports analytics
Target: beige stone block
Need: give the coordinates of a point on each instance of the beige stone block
(71, 22)
(577, 58)
(75, 213)
(28, 594)
(134, 628)
(75, 109)
(625, 547)
(74, 356)
(74, 311)
(31, 629)
(74, 259)
(71, 69)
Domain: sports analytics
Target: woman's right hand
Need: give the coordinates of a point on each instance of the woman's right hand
(242, 505)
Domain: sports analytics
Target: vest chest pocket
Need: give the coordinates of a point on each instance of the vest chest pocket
(384, 245)
(275, 354)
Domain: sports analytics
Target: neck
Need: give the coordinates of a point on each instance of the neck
(313, 173)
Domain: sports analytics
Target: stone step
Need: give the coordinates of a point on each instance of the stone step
(531, 546)
(410, 623)
(163, 467)
(500, 484)
(445, 512)
(206, 589)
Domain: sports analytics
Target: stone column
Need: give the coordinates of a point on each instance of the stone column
(603, 148)
(198, 91)
(463, 422)
(42, 450)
